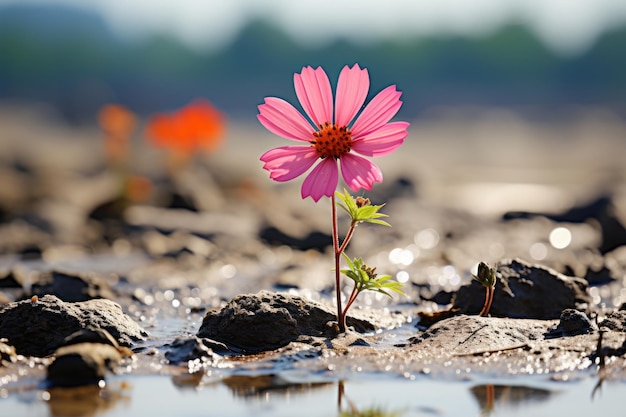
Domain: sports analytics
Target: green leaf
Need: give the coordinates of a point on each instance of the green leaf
(362, 211)
(365, 278)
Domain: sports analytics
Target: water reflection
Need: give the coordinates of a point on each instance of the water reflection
(489, 395)
(351, 410)
(259, 386)
(273, 396)
(85, 401)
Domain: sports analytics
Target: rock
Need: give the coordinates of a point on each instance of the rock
(314, 240)
(39, 328)
(267, 321)
(615, 320)
(82, 364)
(72, 287)
(470, 335)
(183, 350)
(91, 335)
(571, 323)
(524, 290)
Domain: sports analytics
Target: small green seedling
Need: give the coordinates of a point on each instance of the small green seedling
(487, 277)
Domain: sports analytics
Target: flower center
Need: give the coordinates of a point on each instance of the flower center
(332, 141)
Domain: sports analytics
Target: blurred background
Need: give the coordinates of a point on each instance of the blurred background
(514, 104)
(529, 55)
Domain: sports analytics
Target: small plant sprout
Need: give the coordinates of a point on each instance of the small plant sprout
(487, 277)
(364, 276)
(337, 133)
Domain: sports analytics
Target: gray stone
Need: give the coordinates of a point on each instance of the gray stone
(574, 322)
(267, 320)
(469, 335)
(39, 328)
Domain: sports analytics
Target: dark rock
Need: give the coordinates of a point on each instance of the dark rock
(571, 323)
(266, 321)
(314, 240)
(90, 335)
(599, 276)
(524, 290)
(183, 350)
(39, 328)
(615, 320)
(82, 364)
(72, 287)
(442, 297)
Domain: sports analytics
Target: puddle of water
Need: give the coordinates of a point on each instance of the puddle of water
(262, 396)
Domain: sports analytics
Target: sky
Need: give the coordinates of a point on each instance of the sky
(567, 26)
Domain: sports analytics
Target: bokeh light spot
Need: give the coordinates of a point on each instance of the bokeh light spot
(427, 238)
(560, 237)
(538, 251)
(402, 276)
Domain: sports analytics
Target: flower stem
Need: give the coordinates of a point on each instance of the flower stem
(353, 295)
(346, 240)
(339, 249)
(336, 250)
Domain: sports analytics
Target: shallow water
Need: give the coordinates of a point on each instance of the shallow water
(165, 396)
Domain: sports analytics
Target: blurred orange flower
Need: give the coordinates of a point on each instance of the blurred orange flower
(196, 126)
(118, 124)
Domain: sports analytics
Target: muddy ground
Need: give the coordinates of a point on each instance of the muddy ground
(468, 186)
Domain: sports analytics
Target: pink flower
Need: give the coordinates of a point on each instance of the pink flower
(332, 137)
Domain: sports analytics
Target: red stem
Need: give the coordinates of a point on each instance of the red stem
(342, 324)
(339, 249)
(351, 300)
(483, 311)
(492, 291)
(347, 238)
(489, 291)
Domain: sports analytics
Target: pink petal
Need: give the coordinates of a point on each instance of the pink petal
(359, 172)
(288, 162)
(322, 181)
(378, 112)
(315, 95)
(381, 141)
(352, 88)
(282, 119)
